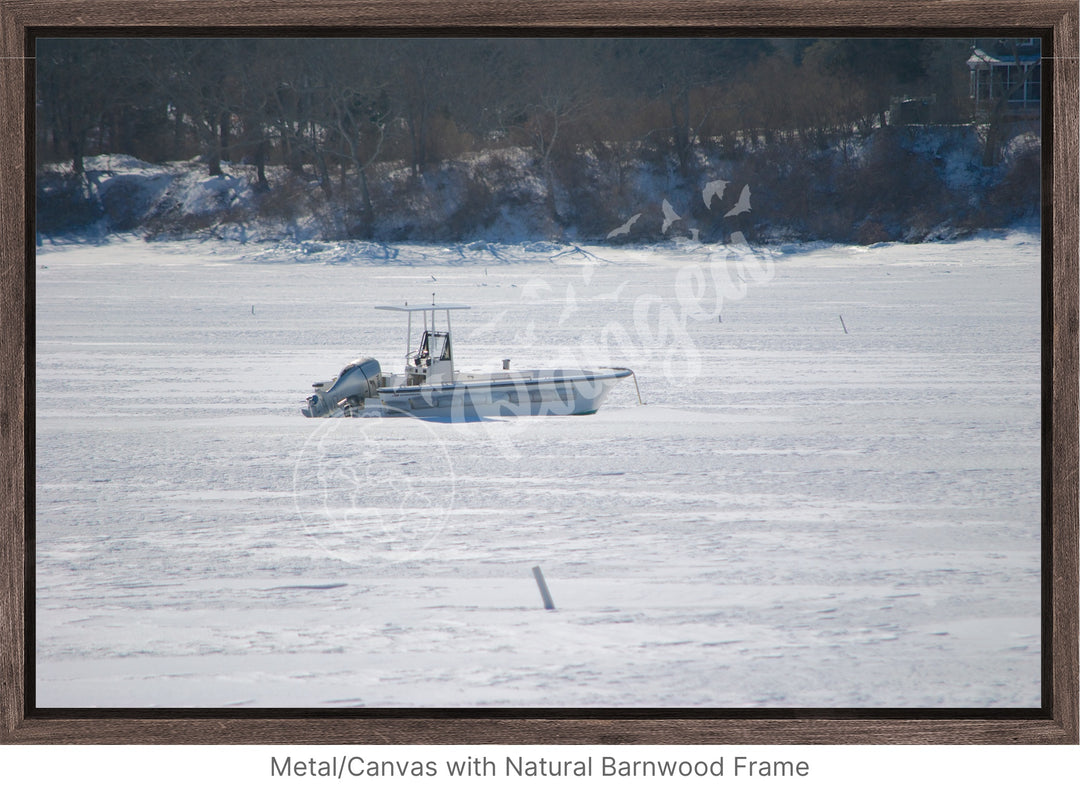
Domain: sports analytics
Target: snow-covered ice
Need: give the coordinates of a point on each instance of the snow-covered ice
(798, 516)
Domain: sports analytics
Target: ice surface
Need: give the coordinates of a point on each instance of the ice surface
(797, 517)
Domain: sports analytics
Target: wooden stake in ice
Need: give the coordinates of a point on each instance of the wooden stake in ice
(638, 390)
(842, 323)
(544, 593)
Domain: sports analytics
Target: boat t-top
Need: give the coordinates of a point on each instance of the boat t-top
(431, 388)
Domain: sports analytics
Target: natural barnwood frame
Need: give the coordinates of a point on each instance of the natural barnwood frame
(1056, 20)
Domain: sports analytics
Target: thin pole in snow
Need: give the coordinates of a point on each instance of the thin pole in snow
(638, 390)
(544, 593)
(842, 323)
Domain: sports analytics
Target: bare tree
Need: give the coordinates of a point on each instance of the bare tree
(355, 113)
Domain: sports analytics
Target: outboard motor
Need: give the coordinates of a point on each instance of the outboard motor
(358, 381)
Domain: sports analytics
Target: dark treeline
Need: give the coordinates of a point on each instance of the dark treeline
(333, 110)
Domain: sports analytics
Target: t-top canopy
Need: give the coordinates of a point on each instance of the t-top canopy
(418, 308)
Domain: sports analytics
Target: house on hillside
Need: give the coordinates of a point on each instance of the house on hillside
(1006, 78)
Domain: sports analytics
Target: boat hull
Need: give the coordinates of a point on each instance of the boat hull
(555, 392)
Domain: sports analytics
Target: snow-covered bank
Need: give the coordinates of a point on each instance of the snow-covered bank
(799, 515)
(905, 183)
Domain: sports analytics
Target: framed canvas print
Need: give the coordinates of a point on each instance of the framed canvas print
(587, 373)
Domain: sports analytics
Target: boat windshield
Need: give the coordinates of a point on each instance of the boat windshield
(435, 345)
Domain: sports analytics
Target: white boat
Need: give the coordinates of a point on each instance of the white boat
(431, 388)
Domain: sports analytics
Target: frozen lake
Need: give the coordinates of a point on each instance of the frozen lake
(798, 516)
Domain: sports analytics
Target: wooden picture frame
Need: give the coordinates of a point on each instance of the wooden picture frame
(1055, 722)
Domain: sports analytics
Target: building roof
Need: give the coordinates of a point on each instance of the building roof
(980, 59)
